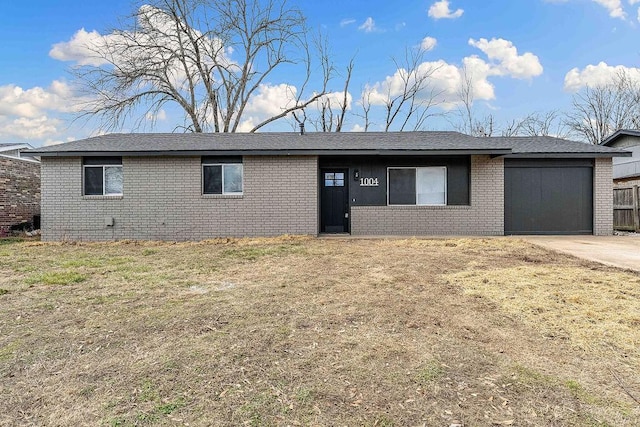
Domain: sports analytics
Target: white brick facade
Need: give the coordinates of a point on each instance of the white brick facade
(603, 197)
(162, 200)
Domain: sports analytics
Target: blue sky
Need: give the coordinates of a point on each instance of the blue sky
(528, 55)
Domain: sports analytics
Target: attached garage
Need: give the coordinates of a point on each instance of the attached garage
(548, 196)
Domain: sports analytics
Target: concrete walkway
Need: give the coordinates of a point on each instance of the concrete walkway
(618, 251)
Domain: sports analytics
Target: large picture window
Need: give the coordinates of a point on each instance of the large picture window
(102, 176)
(222, 176)
(425, 186)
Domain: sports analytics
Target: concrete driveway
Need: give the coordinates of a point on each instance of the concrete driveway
(618, 251)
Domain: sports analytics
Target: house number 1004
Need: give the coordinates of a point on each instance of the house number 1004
(369, 182)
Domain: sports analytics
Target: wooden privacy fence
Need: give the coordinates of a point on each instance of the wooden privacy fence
(626, 209)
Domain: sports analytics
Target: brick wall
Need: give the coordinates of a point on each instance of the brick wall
(162, 200)
(603, 197)
(19, 191)
(485, 215)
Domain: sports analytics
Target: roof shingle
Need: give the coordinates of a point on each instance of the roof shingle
(318, 143)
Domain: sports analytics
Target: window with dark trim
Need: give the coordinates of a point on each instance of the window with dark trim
(102, 176)
(422, 186)
(222, 175)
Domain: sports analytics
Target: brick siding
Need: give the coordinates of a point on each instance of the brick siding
(162, 200)
(603, 197)
(485, 215)
(19, 192)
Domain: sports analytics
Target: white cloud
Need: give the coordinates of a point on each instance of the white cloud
(128, 50)
(357, 128)
(269, 101)
(509, 62)
(428, 43)
(445, 79)
(16, 101)
(159, 116)
(29, 127)
(81, 49)
(347, 21)
(445, 82)
(440, 10)
(27, 113)
(247, 125)
(594, 75)
(639, 14)
(478, 71)
(368, 26)
(334, 100)
(614, 7)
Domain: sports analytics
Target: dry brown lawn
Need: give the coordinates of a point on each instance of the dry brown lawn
(311, 332)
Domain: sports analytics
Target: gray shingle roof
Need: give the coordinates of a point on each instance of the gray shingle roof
(551, 145)
(317, 143)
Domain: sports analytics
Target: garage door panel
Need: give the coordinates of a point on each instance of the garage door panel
(543, 198)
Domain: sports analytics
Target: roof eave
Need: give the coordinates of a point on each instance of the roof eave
(297, 152)
(617, 134)
(14, 147)
(23, 159)
(569, 155)
(628, 176)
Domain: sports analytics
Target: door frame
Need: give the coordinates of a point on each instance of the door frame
(347, 205)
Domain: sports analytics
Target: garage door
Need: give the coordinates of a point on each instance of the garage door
(548, 196)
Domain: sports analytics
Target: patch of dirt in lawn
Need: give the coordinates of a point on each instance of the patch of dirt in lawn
(299, 331)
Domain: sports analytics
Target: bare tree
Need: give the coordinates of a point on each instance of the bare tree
(209, 57)
(414, 98)
(329, 111)
(467, 98)
(467, 121)
(548, 123)
(600, 110)
(535, 124)
(408, 98)
(365, 104)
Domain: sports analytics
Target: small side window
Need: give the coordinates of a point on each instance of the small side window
(102, 176)
(221, 177)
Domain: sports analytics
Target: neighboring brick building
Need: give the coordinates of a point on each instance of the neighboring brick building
(200, 186)
(19, 187)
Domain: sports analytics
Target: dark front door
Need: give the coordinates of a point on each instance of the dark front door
(334, 201)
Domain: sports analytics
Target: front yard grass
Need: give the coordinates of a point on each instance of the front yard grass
(300, 331)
